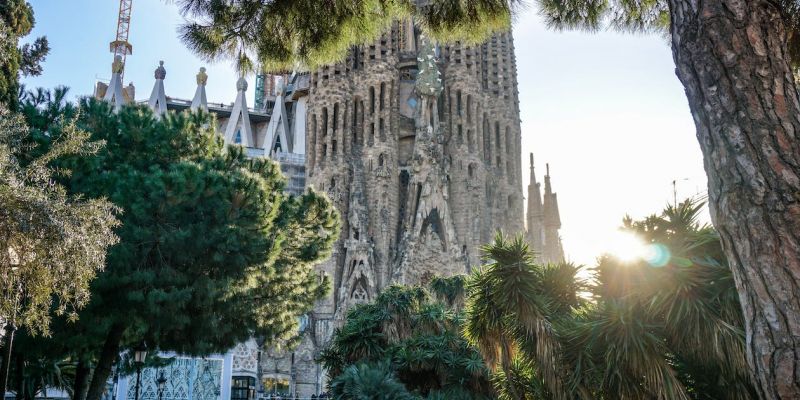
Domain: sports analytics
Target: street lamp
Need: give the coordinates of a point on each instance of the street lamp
(139, 355)
(162, 384)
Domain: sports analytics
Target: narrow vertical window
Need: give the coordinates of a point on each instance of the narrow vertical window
(371, 99)
(383, 95)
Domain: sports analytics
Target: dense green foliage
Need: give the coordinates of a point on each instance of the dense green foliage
(664, 328)
(512, 304)
(291, 34)
(53, 244)
(409, 343)
(211, 250)
(16, 21)
(668, 327)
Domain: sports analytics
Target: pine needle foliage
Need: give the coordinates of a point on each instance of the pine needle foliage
(211, 252)
(17, 21)
(306, 34)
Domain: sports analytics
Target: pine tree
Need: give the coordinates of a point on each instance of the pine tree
(211, 250)
(16, 21)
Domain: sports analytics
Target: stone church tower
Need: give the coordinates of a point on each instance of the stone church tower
(543, 220)
(418, 146)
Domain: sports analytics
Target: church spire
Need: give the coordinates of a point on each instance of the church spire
(158, 98)
(535, 220)
(114, 94)
(553, 251)
(199, 101)
(239, 129)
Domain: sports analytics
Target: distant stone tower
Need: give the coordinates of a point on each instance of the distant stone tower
(418, 146)
(543, 220)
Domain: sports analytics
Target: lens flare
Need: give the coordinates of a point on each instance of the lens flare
(628, 247)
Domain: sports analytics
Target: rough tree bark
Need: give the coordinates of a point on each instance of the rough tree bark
(731, 56)
(107, 356)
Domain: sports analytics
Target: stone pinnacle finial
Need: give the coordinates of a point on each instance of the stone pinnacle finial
(202, 76)
(531, 161)
(117, 66)
(547, 167)
(160, 73)
(241, 84)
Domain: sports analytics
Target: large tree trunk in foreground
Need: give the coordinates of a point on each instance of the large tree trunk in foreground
(732, 58)
(106, 361)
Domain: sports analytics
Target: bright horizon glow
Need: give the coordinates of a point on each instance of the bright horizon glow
(605, 110)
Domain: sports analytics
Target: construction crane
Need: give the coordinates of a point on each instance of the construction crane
(121, 47)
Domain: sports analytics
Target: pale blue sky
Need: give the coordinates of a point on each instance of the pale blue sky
(605, 110)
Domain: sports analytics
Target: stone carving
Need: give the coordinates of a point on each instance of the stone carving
(414, 203)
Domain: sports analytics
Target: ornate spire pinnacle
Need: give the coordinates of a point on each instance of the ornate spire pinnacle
(160, 72)
(202, 77)
(158, 98)
(117, 66)
(199, 101)
(239, 129)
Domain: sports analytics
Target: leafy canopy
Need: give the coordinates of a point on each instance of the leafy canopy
(306, 34)
(299, 35)
(211, 251)
(52, 244)
(407, 343)
(16, 21)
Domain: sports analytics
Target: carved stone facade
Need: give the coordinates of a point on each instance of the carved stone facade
(419, 149)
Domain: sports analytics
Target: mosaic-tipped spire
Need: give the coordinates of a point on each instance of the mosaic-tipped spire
(199, 101)
(158, 98)
(239, 129)
(278, 136)
(114, 93)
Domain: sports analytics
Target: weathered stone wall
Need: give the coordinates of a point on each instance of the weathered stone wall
(360, 149)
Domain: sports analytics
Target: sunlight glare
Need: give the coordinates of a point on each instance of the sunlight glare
(626, 247)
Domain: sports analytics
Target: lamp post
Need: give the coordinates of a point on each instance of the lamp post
(139, 355)
(162, 384)
(11, 326)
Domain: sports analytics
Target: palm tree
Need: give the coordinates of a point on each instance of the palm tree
(415, 334)
(665, 328)
(369, 382)
(511, 308)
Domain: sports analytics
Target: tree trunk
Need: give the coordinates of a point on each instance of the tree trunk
(81, 379)
(731, 57)
(6, 359)
(106, 361)
(19, 377)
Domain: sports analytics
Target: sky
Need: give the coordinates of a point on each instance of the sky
(605, 110)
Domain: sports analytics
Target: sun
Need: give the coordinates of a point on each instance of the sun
(626, 247)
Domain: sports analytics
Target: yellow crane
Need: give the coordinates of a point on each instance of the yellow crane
(120, 46)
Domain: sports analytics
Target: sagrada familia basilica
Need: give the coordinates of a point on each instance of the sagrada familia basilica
(417, 145)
